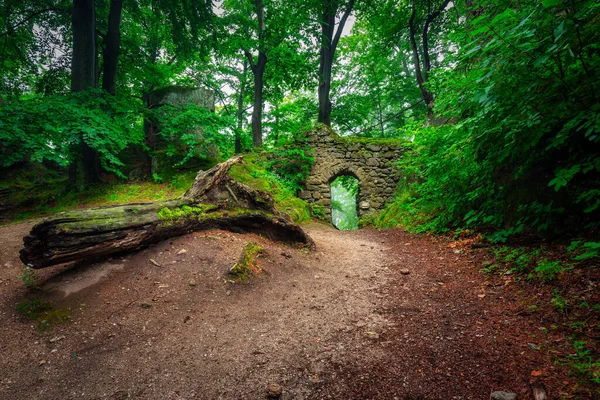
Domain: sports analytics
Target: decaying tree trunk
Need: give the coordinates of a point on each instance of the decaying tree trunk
(215, 201)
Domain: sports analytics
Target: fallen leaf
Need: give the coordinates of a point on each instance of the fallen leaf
(536, 373)
(481, 296)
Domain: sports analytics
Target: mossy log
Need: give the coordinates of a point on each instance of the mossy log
(215, 201)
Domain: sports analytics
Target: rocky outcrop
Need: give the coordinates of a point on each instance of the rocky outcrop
(368, 160)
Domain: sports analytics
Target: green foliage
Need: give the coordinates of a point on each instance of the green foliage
(548, 270)
(191, 132)
(48, 129)
(291, 164)
(520, 150)
(584, 363)
(558, 301)
(584, 250)
(29, 277)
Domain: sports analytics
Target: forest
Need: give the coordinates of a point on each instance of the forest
(495, 105)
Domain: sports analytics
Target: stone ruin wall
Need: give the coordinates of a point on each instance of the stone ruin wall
(371, 162)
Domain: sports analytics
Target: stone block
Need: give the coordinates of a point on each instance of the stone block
(305, 195)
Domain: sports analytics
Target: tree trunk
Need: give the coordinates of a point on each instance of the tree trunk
(83, 63)
(112, 48)
(85, 167)
(240, 109)
(327, 53)
(214, 201)
(259, 71)
(417, 60)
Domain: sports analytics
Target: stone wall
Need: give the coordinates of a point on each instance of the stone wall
(182, 96)
(370, 161)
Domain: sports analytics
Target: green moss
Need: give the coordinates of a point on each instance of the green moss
(247, 264)
(44, 313)
(185, 212)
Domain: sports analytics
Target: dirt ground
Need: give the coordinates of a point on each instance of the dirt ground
(368, 315)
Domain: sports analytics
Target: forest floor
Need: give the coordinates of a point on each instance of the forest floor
(367, 315)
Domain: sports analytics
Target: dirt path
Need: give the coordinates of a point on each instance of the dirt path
(343, 322)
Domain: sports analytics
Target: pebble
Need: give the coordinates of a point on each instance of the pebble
(57, 338)
(503, 396)
(404, 271)
(182, 251)
(274, 391)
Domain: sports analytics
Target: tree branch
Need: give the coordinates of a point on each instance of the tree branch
(338, 33)
(10, 30)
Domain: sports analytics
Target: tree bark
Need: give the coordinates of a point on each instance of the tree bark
(422, 75)
(240, 109)
(417, 60)
(327, 53)
(83, 64)
(112, 48)
(214, 201)
(258, 70)
(85, 167)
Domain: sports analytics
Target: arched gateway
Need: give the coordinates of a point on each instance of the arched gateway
(369, 160)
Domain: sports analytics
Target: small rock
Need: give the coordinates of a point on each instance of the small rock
(503, 396)
(487, 263)
(274, 391)
(53, 350)
(57, 338)
(182, 251)
(146, 305)
(404, 271)
(43, 362)
(533, 346)
(372, 335)
(153, 262)
(192, 283)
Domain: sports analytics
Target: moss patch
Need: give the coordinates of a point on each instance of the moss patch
(177, 214)
(247, 264)
(44, 313)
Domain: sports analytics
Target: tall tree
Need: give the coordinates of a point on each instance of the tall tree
(85, 168)
(258, 70)
(240, 108)
(330, 37)
(422, 71)
(112, 47)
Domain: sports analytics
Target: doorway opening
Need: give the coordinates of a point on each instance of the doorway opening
(344, 202)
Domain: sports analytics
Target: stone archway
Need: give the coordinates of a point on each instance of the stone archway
(370, 161)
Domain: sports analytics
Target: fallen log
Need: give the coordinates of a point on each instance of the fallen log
(215, 200)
